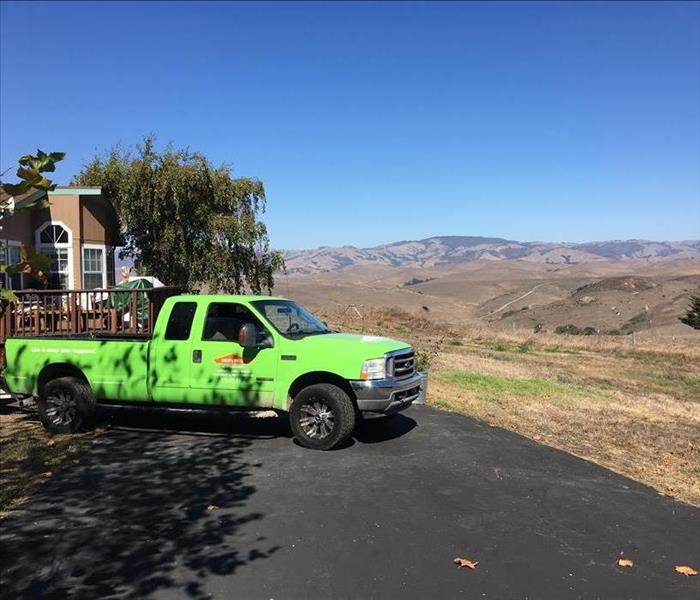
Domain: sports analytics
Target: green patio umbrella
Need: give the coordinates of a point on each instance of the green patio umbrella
(121, 301)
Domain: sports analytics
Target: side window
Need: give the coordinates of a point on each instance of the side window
(180, 321)
(224, 319)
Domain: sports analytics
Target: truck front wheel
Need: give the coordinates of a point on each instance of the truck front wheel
(322, 416)
(64, 403)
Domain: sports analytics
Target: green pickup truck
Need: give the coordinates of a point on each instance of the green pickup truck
(254, 352)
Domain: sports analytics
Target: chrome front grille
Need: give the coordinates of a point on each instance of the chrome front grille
(402, 365)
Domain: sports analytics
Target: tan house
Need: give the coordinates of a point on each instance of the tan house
(78, 231)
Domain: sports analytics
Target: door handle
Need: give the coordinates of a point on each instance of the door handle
(196, 356)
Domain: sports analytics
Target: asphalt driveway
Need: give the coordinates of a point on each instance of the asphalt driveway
(168, 506)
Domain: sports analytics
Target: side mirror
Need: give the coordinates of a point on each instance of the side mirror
(247, 336)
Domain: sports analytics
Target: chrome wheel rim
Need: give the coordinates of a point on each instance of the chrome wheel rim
(317, 419)
(61, 408)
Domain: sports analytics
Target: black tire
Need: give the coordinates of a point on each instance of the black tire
(332, 415)
(64, 404)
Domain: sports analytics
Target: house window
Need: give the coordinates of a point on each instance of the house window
(3, 261)
(10, 254)
(93, 268)
(53, 239)
(59, 271)
(53, 234)
(14, 257)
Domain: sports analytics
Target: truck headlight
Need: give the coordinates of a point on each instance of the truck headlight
(373, 369)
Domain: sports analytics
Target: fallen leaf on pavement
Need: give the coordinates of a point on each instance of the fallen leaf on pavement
(686, 570)
(625, 562)
(212, 507)
(465, 562)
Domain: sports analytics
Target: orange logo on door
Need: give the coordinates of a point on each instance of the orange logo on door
(231, 359)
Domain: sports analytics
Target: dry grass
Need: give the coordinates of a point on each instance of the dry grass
(29, 455)
(633, 409)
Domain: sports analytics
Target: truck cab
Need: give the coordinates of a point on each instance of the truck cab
(222, 351)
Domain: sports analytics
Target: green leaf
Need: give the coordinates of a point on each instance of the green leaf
(31, 263)
(43, 184)
(7, 295)
(18, 189)
(11, 269)
(33, 204)
(42, 162)
(30, 161)
(28, 174)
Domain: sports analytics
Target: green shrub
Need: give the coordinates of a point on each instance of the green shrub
(568, 329)
(692, 316)
(417, 280)
(423, 359)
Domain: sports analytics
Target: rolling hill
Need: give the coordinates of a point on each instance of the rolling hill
(614, 287)
(455, 250)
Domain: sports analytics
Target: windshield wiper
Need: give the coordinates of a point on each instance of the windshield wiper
(304, 332)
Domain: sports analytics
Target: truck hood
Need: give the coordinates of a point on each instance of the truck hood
(338, 353)
(371, 345)
(346, 348)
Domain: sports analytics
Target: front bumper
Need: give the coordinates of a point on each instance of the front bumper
(387, 396)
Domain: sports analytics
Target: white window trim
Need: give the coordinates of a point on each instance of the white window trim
(104, 249)
(68, 246)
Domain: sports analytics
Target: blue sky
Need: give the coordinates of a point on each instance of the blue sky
(372, 123)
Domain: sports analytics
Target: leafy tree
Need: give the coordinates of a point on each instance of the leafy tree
(692, 317)
(31, 175)
(184, 220)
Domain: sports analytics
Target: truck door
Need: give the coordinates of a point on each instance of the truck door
(225, 373)
(171, 357)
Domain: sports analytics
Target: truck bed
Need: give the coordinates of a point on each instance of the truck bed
(115, 364)
(92, 335)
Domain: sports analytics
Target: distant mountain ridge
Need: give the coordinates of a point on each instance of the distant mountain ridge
(447, 250)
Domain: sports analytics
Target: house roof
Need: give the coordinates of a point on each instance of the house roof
(78, 187)
(19, 200)
(61, 190)
(4, 196)
(76, 190)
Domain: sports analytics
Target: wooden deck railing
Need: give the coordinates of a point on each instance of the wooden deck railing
(50, 312)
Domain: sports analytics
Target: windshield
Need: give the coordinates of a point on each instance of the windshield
(289, 318)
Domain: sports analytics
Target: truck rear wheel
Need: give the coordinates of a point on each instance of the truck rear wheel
(64, 403)
(322, 416)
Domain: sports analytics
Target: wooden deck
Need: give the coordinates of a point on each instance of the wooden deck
(51, 312)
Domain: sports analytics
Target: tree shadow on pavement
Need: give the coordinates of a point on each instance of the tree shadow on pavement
(143, 511)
